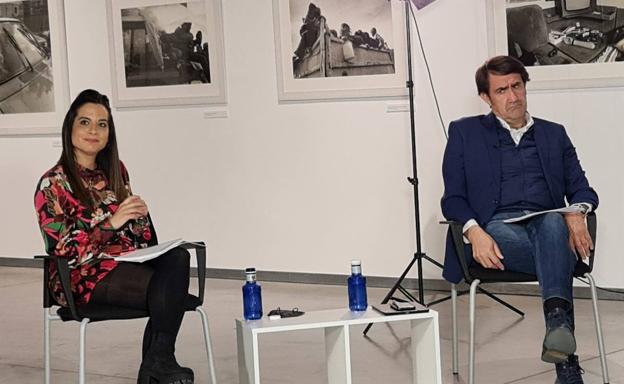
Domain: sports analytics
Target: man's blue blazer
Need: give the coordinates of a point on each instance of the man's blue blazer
(472, 175)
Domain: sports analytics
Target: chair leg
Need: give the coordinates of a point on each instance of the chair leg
(601, 347)
(209, 352)
(46, 345)
(454, 319)
(83, 337)
(47, 320)
(471, 351)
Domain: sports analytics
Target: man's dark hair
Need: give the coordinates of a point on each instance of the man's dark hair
(501, 66)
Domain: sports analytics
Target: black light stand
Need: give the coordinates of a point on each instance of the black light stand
(420, 255)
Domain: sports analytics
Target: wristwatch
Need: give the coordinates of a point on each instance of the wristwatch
(584, 207)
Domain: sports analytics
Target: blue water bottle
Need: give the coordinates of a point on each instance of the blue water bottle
(357, 287)
(252, 296)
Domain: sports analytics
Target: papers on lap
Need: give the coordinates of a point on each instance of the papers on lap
(144, 254)
(570, 209)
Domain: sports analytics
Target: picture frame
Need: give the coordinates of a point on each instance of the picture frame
(304, 78)
(38, 106)
(581, 72)
(153, 61)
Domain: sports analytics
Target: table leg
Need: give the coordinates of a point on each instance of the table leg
(426, 351)
(248, 361)
(338, 354)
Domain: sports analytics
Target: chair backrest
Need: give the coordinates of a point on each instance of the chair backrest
(592, 224)
(48, 300)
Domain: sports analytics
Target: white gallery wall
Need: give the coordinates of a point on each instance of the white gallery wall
(306, 187)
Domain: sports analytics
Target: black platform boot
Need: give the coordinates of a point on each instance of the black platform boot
(159, 364)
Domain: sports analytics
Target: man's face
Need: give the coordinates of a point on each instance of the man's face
(507, 98)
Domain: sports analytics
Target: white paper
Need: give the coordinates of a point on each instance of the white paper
(570, 209)
(144, 254)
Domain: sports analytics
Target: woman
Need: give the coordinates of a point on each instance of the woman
(85, 209)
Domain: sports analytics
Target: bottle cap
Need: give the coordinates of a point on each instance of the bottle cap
(355, 262)
(250, 270)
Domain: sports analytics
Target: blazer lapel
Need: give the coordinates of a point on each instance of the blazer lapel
(490, 125)
(541, 142)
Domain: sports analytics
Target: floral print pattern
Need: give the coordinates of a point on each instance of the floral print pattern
(81, 233)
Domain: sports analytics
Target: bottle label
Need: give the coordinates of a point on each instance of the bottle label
(250, 277)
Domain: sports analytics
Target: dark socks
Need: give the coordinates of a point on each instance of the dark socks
(556, 302)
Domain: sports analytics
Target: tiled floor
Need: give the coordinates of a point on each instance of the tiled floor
(508, 347)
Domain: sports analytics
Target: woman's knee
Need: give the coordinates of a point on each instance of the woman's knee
(180, 256)
(174, 258)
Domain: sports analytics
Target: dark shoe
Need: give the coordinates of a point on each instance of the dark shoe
(559, 342)
(569, 372)
(159, 364)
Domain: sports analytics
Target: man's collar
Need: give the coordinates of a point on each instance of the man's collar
(529, 124)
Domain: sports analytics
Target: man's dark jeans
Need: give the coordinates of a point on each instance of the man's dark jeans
(538, 246)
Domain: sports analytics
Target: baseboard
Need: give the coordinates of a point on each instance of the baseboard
(411, 284)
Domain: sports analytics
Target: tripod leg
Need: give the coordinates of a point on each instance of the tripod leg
(407, 294)
(396, 286)
(501, 301)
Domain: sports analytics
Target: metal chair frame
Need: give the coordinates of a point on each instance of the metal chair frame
(73, 311)
(474, 281)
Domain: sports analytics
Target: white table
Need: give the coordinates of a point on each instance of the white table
(425, 342)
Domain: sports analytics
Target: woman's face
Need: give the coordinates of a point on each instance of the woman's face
(89, 133)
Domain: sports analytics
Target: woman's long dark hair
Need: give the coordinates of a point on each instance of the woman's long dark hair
(107, 159)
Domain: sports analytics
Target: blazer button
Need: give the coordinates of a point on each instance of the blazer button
(495, 201)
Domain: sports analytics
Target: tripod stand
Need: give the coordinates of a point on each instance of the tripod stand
(419, 255)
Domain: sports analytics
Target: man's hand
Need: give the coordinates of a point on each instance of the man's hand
(131, 208)
(580, 241)
(484, 249)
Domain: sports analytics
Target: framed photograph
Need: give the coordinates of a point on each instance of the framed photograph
(563, 43)
(347, 49)
(34, 86)
(166, 52)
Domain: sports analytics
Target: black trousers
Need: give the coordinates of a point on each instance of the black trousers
(159, 285)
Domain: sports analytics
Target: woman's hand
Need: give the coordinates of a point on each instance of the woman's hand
(131, 208)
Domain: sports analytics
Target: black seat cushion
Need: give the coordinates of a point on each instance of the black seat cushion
(486, 275)
(99, 312)
(580, 269)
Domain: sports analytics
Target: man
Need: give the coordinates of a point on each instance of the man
(377, 41)
(309, 32)
(506, 164)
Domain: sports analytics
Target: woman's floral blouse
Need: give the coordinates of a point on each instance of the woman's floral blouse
(83, 233)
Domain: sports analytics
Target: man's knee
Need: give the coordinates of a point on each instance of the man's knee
(553, 222)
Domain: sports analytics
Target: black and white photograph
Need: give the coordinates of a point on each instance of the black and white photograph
(165, 45)
(563, 43)
(166, 52)
(26, 78)
(560, 32)
(34, 86)
(347, 49)
(341, 38)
